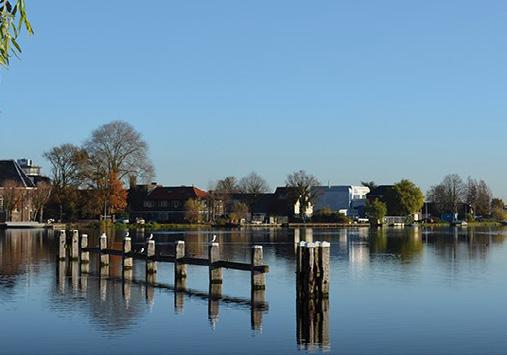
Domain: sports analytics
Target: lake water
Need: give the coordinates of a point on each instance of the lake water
(393, 291)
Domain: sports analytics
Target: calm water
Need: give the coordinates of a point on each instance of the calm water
(397, 291)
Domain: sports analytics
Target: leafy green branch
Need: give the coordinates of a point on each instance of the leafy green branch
(13, 18)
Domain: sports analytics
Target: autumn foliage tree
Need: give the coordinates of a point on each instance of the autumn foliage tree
(117, 194)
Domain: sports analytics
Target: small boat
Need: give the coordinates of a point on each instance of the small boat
(459, 223)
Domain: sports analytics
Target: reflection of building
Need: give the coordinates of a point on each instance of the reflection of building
(163, 204)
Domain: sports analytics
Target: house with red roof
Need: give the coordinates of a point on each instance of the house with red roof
(164, 204)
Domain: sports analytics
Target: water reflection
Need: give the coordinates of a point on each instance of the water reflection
(103, 290)
(117, 301)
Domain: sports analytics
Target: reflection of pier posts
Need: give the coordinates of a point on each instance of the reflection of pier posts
(62, 271)
(312, 291)
(257, 309)
(75, 275)
(180, 277)
(215, 293)
(151, 280)
(127, 276)
(85, 271)
(179, 295)
(104, 274)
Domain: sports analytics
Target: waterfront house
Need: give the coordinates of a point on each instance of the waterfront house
(15, 193)
(348, 200)
(164, 204)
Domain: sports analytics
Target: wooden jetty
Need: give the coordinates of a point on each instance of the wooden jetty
(76, 248)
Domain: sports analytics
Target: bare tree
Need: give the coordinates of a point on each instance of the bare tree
(448, 194)
(484, 198)
(40, 197)
(11, 195)
(253, 184)
(118, 147)
(66, 164)
(227, 185)
(302, 186)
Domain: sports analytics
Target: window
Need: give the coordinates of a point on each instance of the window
(149, 204)
(176, 204)
(1, 203)
(164, 203)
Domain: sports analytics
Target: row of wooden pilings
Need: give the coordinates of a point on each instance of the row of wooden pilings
(312, 295)
(80, 251)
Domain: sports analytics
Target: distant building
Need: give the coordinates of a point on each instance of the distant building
(347, 199)
(32, 171)
(15, 197)
(165, 204)
(282, 206)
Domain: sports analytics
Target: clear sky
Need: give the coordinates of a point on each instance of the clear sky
(347, 90)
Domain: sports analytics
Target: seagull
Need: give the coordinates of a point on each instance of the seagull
(127, 234)
(214, 238)
(142, 250)
(150, 237)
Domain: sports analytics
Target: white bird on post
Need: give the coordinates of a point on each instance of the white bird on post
(213, 239)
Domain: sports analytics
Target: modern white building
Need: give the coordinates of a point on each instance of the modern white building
(346, 199)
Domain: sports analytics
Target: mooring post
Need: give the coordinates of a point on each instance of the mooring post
(104, 258)
(127, 261)
(180, 270)
(215, 272)
(62, 252)
(151, 265)
(324, 257)
(308, 264)
(299, 267)
(85, 255)
(258, 279)
(74, 251)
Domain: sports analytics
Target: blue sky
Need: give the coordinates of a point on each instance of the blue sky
(347, 90)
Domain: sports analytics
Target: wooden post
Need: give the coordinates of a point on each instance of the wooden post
(258, 279)
(299, 267)
(74, 251)
(215, 273)
(180, 270)
(127, 261)
(104, 258)
(151, 265)
(308, 264)
(85, 255)
(324, 257)
(62, 252)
